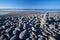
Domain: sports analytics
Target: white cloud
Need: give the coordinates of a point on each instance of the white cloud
(8, 7)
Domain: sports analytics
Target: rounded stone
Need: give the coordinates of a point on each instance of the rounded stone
(15, 32)
(24, 34)
(15, 37)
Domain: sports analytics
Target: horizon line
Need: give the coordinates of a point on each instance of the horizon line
(20, 9)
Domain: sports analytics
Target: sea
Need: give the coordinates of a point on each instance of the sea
(6, 11)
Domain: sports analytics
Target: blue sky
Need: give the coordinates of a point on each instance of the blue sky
(30, 4)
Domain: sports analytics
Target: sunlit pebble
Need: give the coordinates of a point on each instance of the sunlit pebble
(44, 34)
(59, 27)
(33, 29)
(24, 34)
(51, 26)
(24, 26)
(30, 24)
(3, 32)
(40, 39)
(7, 23)
(9, 35)
(15, 37)
(7, 30)
(50, 31)
(3, 27)
(33, 38)
(15, 32)
(47, 31)
(33, 33)
(28, 39)
(3, 36)
(36, 36)
(27, 23)
(19, 24)
(51, 38)
(40, 36)
(5, 39)
(29, 20)
(17, 28)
